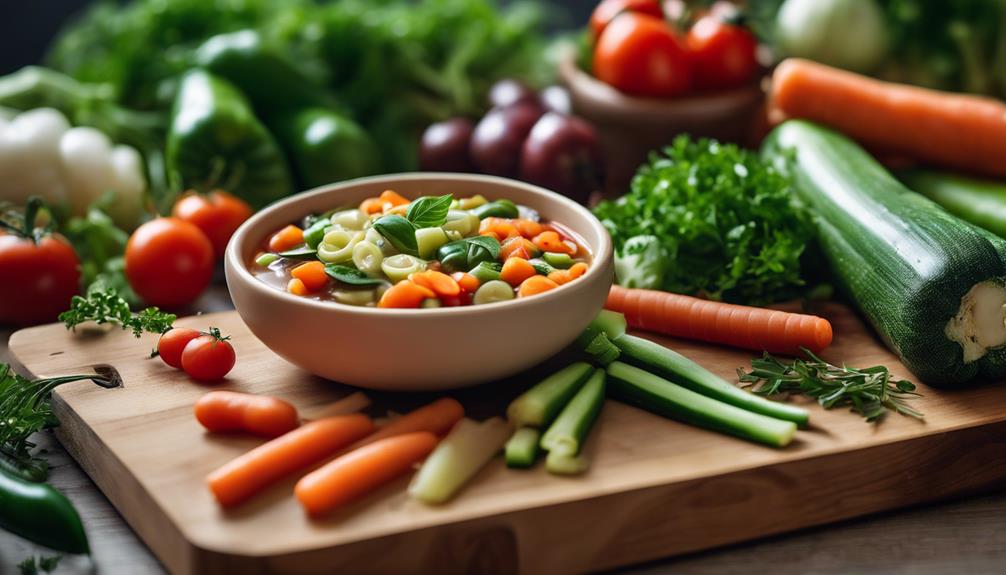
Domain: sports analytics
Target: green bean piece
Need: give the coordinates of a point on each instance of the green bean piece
(568, 432)
(557, 260)
(541, 266)
(522, 448)
(265, 259)
(539, 405)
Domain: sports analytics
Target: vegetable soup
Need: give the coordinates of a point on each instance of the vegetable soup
(435, 251)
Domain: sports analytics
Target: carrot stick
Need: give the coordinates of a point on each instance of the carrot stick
(361, 471)
(437, 418)
(252, 472)
(954, 130)
(737, 325)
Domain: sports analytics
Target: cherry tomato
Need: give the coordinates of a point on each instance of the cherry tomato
(172, 342)
(608, 9)
(641, 55)
(218, 214)
(169, 262)
(208, 357)
(37, 281)
(723, 54)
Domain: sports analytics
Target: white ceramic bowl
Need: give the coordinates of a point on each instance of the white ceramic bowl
(425, 349)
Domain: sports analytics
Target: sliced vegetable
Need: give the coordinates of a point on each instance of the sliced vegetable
(535, 285)
(557, 260)
(741, 326)
(493, 291)
(313, 274)
(438, 282)
(486, 272)
(467, 448)
(266, 259)
(522, 448)
(399, 267)
(227, 411)
(310, 443)
(564, 438)
(287, 238)
(538, 406)
(653, 393)
(301, 253)
(516, 270)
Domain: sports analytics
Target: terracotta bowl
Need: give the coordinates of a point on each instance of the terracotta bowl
(427, 349)
(630, 128)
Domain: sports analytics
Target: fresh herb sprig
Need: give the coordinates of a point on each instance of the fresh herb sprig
(25, 409)
(870, 392)
(107, 306)
(42, 564)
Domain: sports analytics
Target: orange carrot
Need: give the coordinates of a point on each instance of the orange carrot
(527, 228)
(286, 239)
(549, 241)
(535, 285)
(252, 472)
(372, 206)
(437, 282)
(296, 287)
(220, 411)
(437, 418)
(518, 247)
(741, 326)
(501, 228)
(394, 198)
(565, 276)
(466, 281)
(954, 130)
(405, 294)
(312, 274)
(516, 270)
(362, 471)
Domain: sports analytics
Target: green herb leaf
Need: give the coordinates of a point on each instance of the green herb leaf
(870, 392)
(35, 565)
(466, 253)
(400, 232)
(300, 254)
(429, 211)
(106, 306)
(488, 243)
(350, 276)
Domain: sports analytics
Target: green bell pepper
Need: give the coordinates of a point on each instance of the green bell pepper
(215, 141)
(326, 146)
(39, 513)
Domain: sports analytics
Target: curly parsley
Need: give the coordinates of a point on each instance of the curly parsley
(107, 306)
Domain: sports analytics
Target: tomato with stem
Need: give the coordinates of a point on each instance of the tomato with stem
(39, 269)
(724, 54)
(169, 262)
(173, 342)
(642, 56)
(208, 357)
(217, 214)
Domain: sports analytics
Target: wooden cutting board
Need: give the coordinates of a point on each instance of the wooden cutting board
(656, 487)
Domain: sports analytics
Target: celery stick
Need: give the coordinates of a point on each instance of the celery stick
(562, 463)
(522, 449)
(601, 350)
(465, 450)
(537, 406)
(653, 393)
(570, 429)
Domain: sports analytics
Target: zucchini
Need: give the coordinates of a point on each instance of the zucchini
(932, 285)
(981, 202)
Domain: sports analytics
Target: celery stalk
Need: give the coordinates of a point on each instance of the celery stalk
(465, 450)
(522, 448)
(537, 406)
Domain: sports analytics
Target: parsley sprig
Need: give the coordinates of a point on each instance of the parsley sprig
(870, 392)
(107, 306)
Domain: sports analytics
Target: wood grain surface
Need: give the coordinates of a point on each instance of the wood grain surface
(656, 488)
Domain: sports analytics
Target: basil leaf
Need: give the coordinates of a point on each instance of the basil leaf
(350, 276)
(300, 254)
(464, 254)
(429, 211)
(400, 232)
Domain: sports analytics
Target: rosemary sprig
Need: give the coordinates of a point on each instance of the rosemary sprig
(870, 392)
(25, 409)
(106, 306)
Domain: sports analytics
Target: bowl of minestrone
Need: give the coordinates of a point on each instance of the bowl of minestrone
(419, 281)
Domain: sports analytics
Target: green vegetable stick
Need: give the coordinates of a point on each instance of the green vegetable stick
(465, 450)
(522, 448)
(539, 405)
(265, 259)
(562, 463)
(567, 433)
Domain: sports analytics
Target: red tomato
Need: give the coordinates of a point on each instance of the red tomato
(217, 214)
(208, 357)
(169, 262)
(172, 342)
(723, 54)
(37, 281)
(641, 55)
(608, 9)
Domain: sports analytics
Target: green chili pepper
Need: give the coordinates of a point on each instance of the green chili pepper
(326, 146)
(497, 209)
(39, 513)
(216, 141)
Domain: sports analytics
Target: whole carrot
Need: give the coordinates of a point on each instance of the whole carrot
(437, 418)
(252, 472)
(222, 411)
(716, 322)
(361, 471)
(955, 130)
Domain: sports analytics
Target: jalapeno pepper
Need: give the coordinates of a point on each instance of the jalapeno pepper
(39, 513)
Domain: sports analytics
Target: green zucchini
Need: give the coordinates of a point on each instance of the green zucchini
(932, 285)
(981, 202)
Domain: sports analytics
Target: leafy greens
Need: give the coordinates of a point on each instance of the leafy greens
(711, 219)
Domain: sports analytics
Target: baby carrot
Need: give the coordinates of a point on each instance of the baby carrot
(438, 282)
(535, 285)
(437, 418)
(516, 270)
(312, 274)
(286, 239)
(467, 282)
(220, 411)
(296, 287)
(361, 471)
(741, 326)
(252, 472)
(405, 294)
